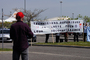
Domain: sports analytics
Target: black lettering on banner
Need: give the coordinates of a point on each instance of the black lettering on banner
(34, 23)
(58, 30)
(79, 21)
(66, 26)
(56, 26)
(60, 26)
(71, 21)
(68, 22)
(43, 26)
(63, 30)
(40, 23)
(38, 31)
(47, 22)
(51, 26)
(60, 22)
(66, 29)
(73, 29)
(56, 22)
(69, 26)
(34, 31)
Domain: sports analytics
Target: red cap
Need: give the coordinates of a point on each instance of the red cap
(20, 14)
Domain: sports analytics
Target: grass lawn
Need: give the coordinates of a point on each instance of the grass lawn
(81, 43)
(5, 49)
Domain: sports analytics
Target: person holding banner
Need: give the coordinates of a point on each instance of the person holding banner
(85, 32)
(76, 37)
(18, 33)
(47, 37)
(66, 37)
(57, 37)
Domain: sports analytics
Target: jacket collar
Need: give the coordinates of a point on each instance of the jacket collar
(19, 21)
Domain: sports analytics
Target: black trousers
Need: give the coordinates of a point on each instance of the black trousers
(85, 34)
(24, 55)
(47, 37)
(65, 35)
(76, 37)
(57, 38)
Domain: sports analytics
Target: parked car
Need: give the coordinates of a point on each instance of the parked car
(5, 35)
(33, 39)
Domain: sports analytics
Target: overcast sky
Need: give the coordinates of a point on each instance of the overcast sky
(53, 7)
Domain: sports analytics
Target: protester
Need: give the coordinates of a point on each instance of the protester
(76, 37)
(57, 37)
(18, 33)
(47, 37)
(85, 32)
(66, 37)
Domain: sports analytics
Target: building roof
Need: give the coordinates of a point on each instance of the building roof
(58, 18)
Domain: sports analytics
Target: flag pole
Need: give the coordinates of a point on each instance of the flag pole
(2, 30)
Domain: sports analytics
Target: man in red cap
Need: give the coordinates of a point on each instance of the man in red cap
(18, 33)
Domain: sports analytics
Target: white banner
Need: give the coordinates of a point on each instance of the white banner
(88, 34)
(57, 26)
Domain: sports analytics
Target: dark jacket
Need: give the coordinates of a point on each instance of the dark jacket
(18, 33)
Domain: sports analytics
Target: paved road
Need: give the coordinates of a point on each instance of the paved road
(52, 53)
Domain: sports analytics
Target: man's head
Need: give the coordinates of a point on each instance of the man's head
(19, 16)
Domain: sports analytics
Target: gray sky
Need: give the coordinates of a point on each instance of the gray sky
(53, 7)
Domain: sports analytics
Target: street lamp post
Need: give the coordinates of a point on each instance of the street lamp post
(2, 30)
(72, 15)
(24, 5)
(61, 8)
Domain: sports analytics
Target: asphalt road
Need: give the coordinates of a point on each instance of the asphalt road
(50, 53)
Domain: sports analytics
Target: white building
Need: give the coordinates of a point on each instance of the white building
(59, 18)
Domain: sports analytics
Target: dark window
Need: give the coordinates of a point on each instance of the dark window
(5, 31)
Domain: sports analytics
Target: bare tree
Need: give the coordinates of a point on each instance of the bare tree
(30, 15)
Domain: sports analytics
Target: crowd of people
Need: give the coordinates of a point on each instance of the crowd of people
(84, 34)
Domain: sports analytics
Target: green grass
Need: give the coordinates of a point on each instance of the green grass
(5, 49)
(81, 43)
